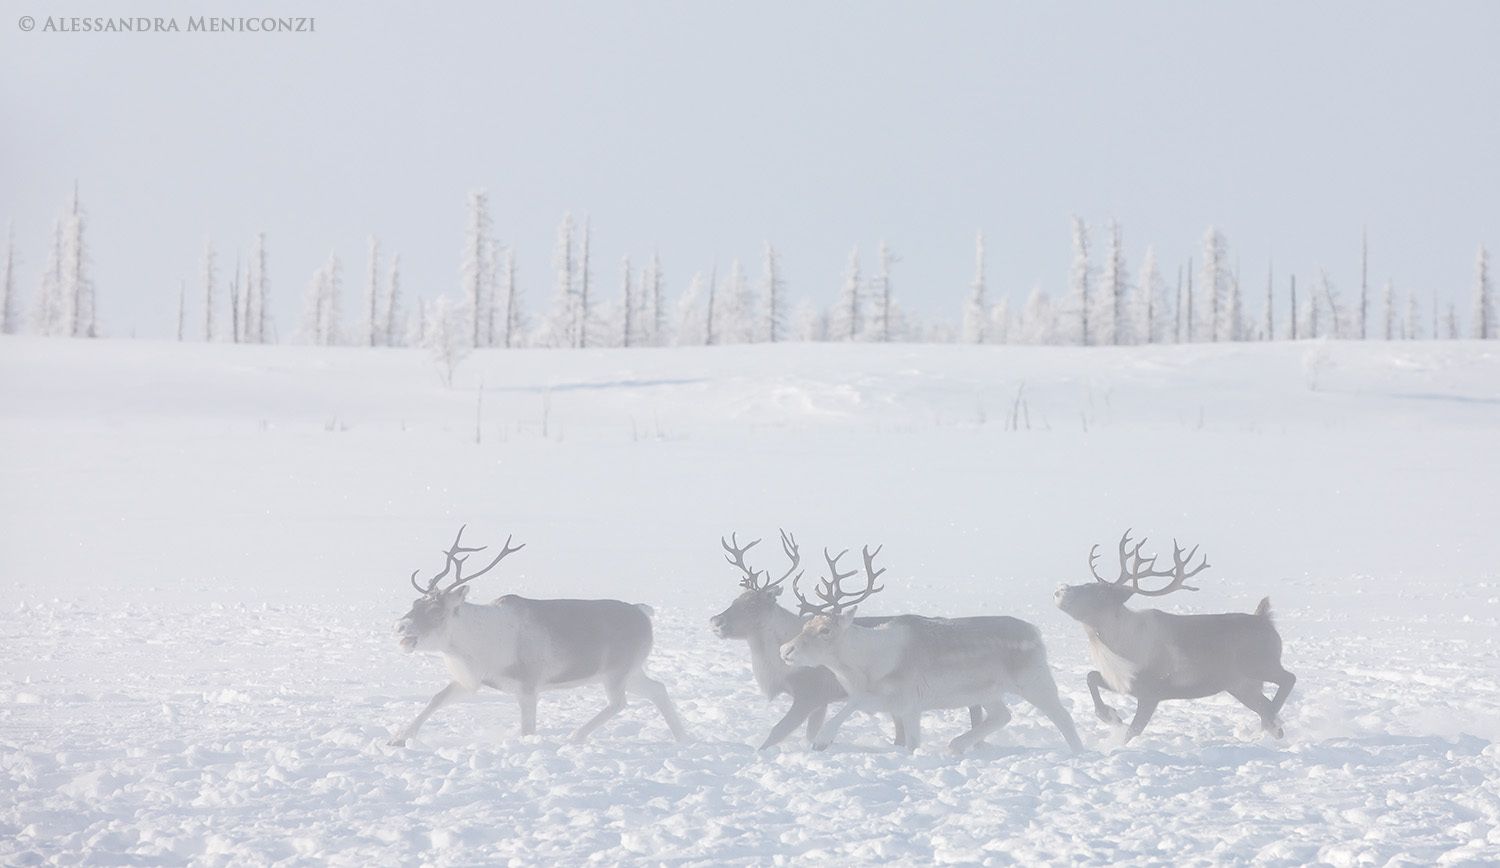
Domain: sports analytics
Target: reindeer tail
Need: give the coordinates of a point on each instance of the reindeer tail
(1264, 609)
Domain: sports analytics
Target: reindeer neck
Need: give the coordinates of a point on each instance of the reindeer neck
(1121, 629)
(779, 627)
(474, 629)
(867, 655)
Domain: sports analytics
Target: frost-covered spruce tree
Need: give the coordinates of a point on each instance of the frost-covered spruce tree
(848, 318)
(741, 306)
(181, 309)
(76, 287)
(477, 269)
(808, 323)
(1268, 319)
(210, 270)
(447, 337)
(234, 302)
(313, 299)
(1364, 283)
(709, 315)
(1037, 320)
(627, 305)
(1484, 327)
(1413, 327)
(45, 311)
(8, 317)
(656, 314)
(1329, 296)
(585, 321)
(1388, 305)
(997, 330)
(333, 306)
(1146, 309)
(394, 330)
(690, 329)
(976, 306)
(372, 326)
(322, 304)
(1218, 323)
(1080, 275)
(1233, 312)
(773, 290)
(882, 326)
(1110, 311)
(259, 313)
(560, 328)
(515, 315)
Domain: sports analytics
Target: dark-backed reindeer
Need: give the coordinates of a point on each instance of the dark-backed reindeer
(522, 646)
(1155, 656)
(910, 664)
(759, 619)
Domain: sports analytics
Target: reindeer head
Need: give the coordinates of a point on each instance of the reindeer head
(425, 626)
(1095, 599)
(758, 599)
(823, 633)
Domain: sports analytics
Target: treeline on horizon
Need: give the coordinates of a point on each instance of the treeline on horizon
(1105, 304)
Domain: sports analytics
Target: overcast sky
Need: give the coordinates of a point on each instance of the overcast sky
(703, 129)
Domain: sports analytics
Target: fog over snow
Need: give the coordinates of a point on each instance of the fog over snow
(207, 546)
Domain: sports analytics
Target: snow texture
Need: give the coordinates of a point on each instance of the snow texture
(206, 547)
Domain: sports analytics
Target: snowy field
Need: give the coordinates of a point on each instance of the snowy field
(203, 550)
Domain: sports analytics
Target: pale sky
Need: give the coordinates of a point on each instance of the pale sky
(703, 129)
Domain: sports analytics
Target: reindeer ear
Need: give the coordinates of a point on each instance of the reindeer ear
(846, 617)
(459, 594)
(775, 590)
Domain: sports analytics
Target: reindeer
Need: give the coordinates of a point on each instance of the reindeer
(756, 617)
(522, 646)
(1154, 656)
(910, 664)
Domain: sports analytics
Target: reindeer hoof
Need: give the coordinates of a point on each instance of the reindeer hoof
(1274, 728)
(820, 745)
(396, 742)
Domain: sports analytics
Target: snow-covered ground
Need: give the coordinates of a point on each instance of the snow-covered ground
(203, 549)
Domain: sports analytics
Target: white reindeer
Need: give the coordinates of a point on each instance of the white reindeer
(756, 617)
(911, 664)
(1153, 655)
(524, 647)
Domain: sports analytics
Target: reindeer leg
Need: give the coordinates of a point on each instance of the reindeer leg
(1249, 694)
(1144, 708)
(830, 729)
(799, 712)
(527, 699)
(642, 684)
(911, 726)
(616, 693)
(443, 697)
(815, 720)
(1105, 713)
(995, 716)
(1042, 693)
(1284, 681)
(900, 727)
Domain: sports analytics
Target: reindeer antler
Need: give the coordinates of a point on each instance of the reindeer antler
(735, 555)
(1134, 567)
(1180, 573)
(757, 580)
(830, 590)
(455, 564)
